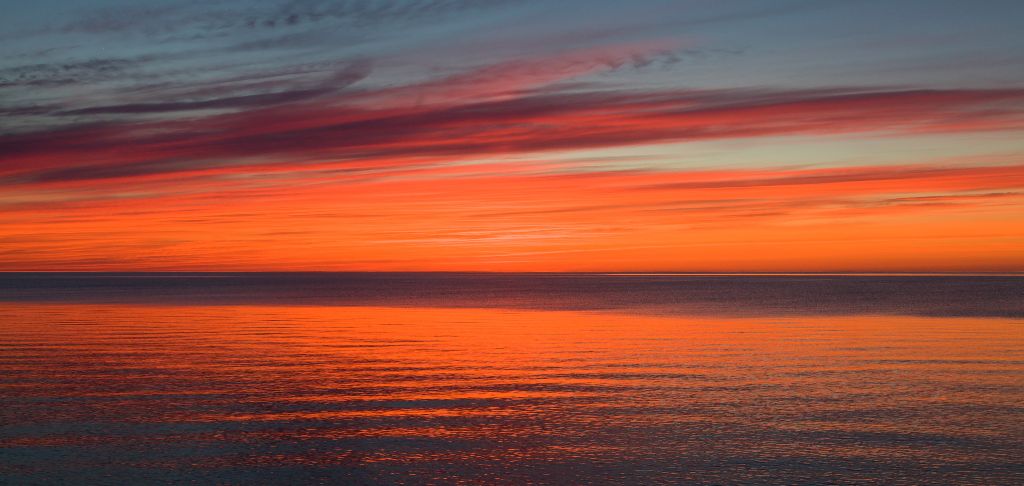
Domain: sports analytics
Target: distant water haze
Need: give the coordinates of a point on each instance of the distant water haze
(511, 379)
(728, 294)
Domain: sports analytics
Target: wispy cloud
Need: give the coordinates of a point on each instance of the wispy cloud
(497, 134)
(333, 84)
(70, 72)
(519, 125)
(220, 16)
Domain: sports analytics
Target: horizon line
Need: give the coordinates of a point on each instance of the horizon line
(486, 272)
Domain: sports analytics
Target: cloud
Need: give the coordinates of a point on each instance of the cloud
(218, 17)
(988, 197)
(253, 100)
(68, 72)
(518, 125)
(123, 18)
(332, 85)
(249, 131)
(547, 218)
(305, 116)
(520, 76)
(960, 175)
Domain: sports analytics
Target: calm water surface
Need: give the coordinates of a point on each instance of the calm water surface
(510, 379)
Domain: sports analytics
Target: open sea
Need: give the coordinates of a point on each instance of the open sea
(446, 378)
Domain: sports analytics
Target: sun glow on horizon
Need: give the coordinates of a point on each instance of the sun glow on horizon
(665, 143)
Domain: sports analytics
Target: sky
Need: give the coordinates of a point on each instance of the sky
(502, 135)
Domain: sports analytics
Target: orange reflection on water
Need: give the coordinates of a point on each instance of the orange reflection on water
(507, 395)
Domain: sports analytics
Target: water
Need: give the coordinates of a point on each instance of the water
(510, 379)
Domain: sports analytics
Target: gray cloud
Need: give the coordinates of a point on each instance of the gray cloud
(68, 72)
(521, 125)
(338, 81)
(212, 17)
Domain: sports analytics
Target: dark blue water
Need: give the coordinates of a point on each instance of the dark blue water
(319, 378)
(734, 295)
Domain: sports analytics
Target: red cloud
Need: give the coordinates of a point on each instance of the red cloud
(511, 126)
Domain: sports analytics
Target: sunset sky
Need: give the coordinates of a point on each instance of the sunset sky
(501, 135)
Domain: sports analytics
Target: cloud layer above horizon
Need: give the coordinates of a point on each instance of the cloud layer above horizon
(512, 135)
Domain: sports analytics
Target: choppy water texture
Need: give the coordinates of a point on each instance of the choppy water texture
(511, 379)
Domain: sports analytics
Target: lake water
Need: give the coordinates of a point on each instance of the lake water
(510, 379)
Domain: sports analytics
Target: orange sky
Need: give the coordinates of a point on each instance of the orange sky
(531, 217)
(643, 146)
